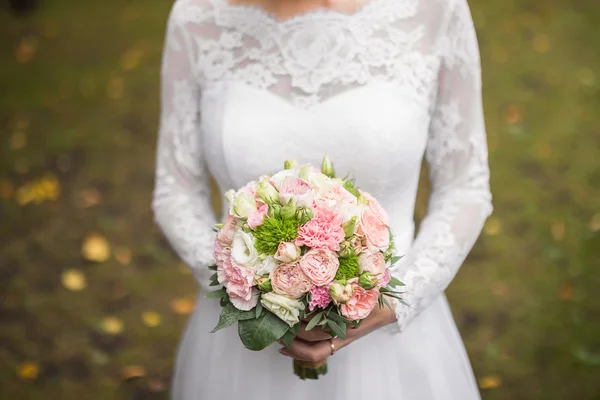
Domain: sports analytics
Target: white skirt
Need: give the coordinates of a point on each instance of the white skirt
(427, 361)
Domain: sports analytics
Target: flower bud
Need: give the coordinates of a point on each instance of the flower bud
(346, 249)
(244, 205)
(340, 292)
(287, 252)
(362, 199)
(304, 214)
(289, 210)
(264, 284)
(290, 164)
(305, 172)
(274, 210)
(350, 227)
(327, 167)
(367, 281)
(266, 191)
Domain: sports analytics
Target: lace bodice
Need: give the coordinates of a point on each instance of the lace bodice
(377, 90)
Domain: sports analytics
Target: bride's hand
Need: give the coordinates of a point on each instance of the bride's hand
(314, 345)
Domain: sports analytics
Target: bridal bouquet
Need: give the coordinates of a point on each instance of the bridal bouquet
(301, 246)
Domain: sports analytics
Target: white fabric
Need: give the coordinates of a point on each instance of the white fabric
(376, 90)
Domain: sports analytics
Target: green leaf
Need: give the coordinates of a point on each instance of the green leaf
(395, 282)
(336, 329)
(394, 295)
(212, 267)
(314, 321)
(290, 335)
(388, 304)
(215, 294)
(258, 310)
(337, 317)
(256, 334)
(229, 315)
(395, 259)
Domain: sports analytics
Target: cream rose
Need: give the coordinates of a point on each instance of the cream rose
(320, 266)
(289, 280)
(286, 309)
(376, 232)
(372, 262)
(265, 266)
(287, 252)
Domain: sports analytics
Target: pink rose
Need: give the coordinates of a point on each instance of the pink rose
(238, 281)
(376, 208)
(372, 262)
(249, 188)
(360, 304)
(375, 230)
(289, 280)
(295, 188)
(323, 231)
(257, 217)
(319, 297)
(287, 252)
(319, 265)
(225, 234)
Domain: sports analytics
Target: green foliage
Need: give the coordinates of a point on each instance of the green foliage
(273, 231)
(230, 315)
(349, 186)
(348, 268)
(258, 333)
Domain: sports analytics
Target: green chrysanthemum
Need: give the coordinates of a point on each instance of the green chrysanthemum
(348, 268)
(273, 231)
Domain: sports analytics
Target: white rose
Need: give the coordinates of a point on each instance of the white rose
(288, 310)
(265, 266)
(243, 250)
(243, 205)
(287, 252)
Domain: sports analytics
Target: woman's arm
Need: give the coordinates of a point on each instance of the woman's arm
(460, 200)
(457, 159)
(181, 200)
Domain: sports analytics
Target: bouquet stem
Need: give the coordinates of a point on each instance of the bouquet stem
(309, 370)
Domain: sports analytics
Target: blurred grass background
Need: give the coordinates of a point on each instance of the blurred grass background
(93, 301)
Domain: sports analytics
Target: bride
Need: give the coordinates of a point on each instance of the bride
(375, 84)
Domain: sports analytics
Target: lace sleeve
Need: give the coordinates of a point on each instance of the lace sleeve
(456, 155)
(181, 199)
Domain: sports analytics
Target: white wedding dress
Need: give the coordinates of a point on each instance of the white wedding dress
(377, 89)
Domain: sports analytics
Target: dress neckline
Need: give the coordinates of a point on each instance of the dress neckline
(318, 13)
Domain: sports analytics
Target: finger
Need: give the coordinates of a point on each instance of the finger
(312, 352)
(314, 335)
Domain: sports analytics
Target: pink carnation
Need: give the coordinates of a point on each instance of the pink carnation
(360, 304)
(323, 231)
(221, 254)
(238, 281)
(225, 234)
(258, 216)
(319, 297)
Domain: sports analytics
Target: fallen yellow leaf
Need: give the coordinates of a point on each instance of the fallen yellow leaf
(541, 43)
(123, 255)
(132, 371)
(151, 319)
(566, 291)
(95, 248)
(490, 382)
(18, 140)
(112, 325)
(73, 279)
(131, 59)
(26, 49)
(88, 198)
(182, 305)
(493, 226)
(28, 370)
